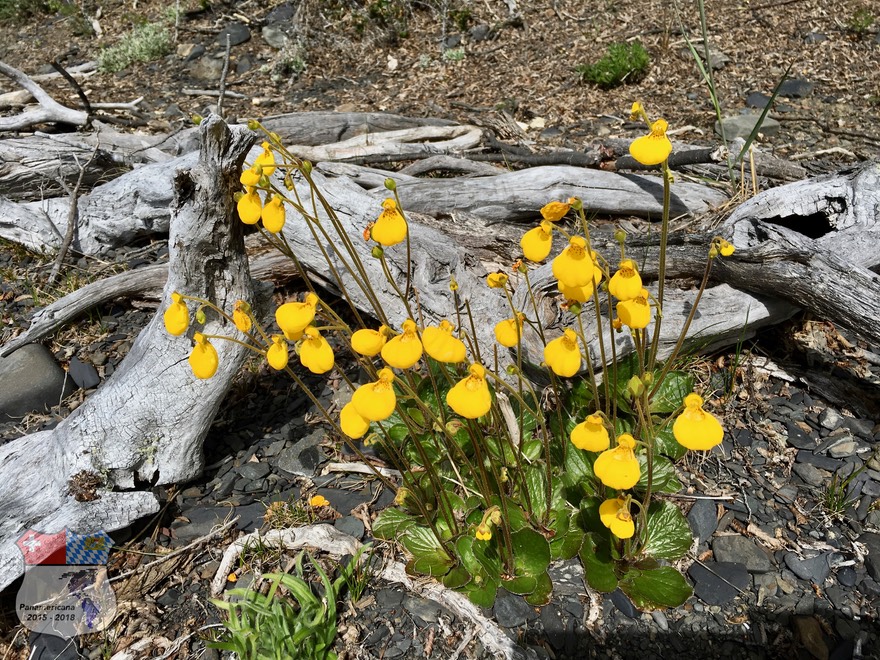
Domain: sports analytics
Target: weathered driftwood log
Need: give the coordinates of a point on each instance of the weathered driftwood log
(146, 424)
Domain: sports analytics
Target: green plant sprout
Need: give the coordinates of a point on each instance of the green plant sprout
(143, 44)
(495, 482)
(622, 63)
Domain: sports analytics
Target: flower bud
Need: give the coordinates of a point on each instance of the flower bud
(306, 167)
(574, 307)
(377, 252)
(390, 184)
(576, 203)
(635, 387)
(253, 125)
(196, 119)
(620, 236)
(200, 316)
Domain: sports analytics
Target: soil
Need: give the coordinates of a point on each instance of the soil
(470, 62)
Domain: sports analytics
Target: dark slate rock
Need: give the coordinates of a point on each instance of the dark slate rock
(864, 428)
(39, 381)
(554, 622)
(350, 525)
(814, 569)
(250, 516)
(567, 577)
(238, 33)
(275, 36)
(796, 88)
(872, 560)
(202, 519)
(797, 437)
(814, 38)
(345, 500)
(389, 599)
(830, 419)
(811, 475)
(739, 549)
(718, 583)
(512, 611)
(49, 647)
(281, 13)
(428, 611)
(744, 437)
(377, 635)
(244, 64)
(254, 471)
(624, 604)
(302, 458)
(224, 485)
(703, 518)
(824, 462)
(480, 32)
(742, 126)
(206, 68)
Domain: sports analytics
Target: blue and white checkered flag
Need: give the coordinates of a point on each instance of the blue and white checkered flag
(88, 549)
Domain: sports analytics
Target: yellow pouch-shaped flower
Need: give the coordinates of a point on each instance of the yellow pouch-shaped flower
(470, 397)
(591, 435)
(626, 283)
(250, 207)
(574, 265)
(615, 515)
(266, 160)
(509, 331)
(176, 317)
(536, 243)
(563, 355)
(635, 313)
(654, 148)
(497, 280)
(554, 211)
(250, 177)
(404, 350)
(369, 342)
(274, 215)
(241, 317)
(695, 428)
(375, 401)
(314, 352)
(203, 359)
(441, 345)
(352, 423)
(293, 317)
(277, 355)
(619, 468)
(390, 229)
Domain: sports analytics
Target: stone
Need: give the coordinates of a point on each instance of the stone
(739, 549)
(567, 577)
(237, 32)
(842, 449)
(480, 32)
(302, 458)
(830, 419)
(251, 516)
(742, 126)
(703, 519)
(847, 576)
(512, 611)
(39, 382)
(813, 569)
(796, 88)
(660, 619)
(200, 520)
(50, 647)
(811, 475)
(824, 462)
(796, 437)
(351, 526)
(872, 559)
(718, 583)
(427, 610)
(275, 36)
(281, 13)
(624, 604)
(206, 68)
(553, 619)
(254, 471)
(344, 501)
(814, 38)
(864, 428)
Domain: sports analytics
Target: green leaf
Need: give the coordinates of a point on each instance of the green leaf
(482, 595)
(390, 523)
(598, 565)
(456, 578)
(532, 449)
(429, 557)
(668, 535)
(655, 588)
(579, 465)
(672, 391)
(567, 545)
(524, 584)
(464, 548)
(541, 595)
(664, 480)
(666, 444)
(531, 552)
(580, 395)
(536, 482)
(397, 432)
(619, 376)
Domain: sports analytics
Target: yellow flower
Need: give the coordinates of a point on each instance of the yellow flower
(615, 515)
(591, 434)
(203, 360)
(314, 352)
(266, 160)
(654, 148)
(293, 317)
(250, 177)
(273, 215)
(484, 532)
(497, 280)
(470, 396)
(695, 428)
(619, 468)
(375, 401)
(404, 350)
(726, 248)
(574, 265)
(390, 229)
(250, 207)
(509, 331)
(369, 342)
(536, 243)
(636, 111)
(241, 316)
(626, 283)
(318, 500)
(352, 423)
(635, 313)
(277, 355)
(554, 211)
(176, 317)
(563, 355)
(579, 294)
(441, 345)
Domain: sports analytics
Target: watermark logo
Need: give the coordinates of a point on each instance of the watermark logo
(65, 590)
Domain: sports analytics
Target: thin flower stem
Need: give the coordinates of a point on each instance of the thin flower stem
(661, 276)
(592, 373)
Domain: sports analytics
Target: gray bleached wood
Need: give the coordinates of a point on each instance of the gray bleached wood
(148, 421)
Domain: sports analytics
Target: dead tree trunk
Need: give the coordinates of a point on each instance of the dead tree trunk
(147, 423)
